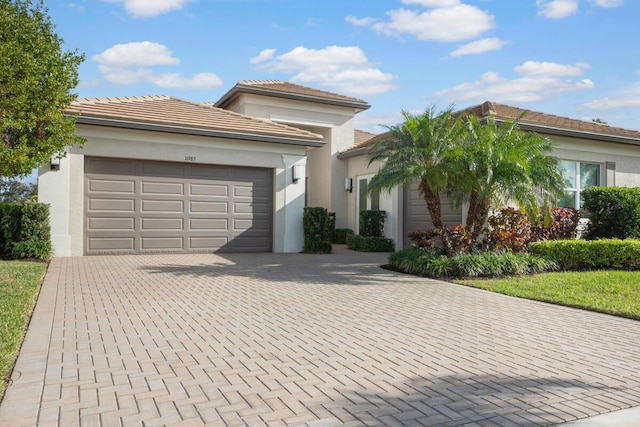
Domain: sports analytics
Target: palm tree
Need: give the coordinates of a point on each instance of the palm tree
(495, 164)
(418, 149)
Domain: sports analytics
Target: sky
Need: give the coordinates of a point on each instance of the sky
(573, 58)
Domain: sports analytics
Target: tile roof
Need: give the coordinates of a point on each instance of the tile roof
(362, 136)
(547, 123)
(282, 89)
(539, 122)
(176, 115)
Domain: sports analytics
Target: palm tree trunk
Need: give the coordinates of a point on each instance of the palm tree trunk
(432, 198)
(477, 214)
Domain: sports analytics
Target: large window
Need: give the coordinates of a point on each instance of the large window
(578, 176)
(366, 200)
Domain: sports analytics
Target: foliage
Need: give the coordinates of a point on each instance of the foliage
(332, 225)
(508, 229)
(372, 223)
(15, 191)
(558, 223)
(497, 163)
(591, 254)
(418, 150)
(421, 261)
(615, 212)
(36, 79)
(340, 235)
(611, 292)
(25, 230)
(447, 241)
(19, 286)
(361, 243)
(317, 230)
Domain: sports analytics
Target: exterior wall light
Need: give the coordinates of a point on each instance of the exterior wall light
(296, 173)
(55, 162)
(348, 184)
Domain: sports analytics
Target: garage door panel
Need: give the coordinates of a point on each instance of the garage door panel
(168, 188)
(145, 206)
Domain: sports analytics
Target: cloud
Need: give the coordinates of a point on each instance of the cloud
(444, 21)
(130, 63)
(150, 8)
(536, 81)
(479, 46)
(343, 69)
(629, 98)
(558, 9)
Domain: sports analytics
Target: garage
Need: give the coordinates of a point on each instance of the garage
(139, 206)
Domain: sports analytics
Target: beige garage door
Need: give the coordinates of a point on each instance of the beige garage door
(135, 206)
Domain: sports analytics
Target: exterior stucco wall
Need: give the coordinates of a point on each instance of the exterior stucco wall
(64, 189)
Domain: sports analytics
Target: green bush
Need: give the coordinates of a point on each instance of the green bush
(591, 254)
(317, 230)
(340, 235)
(372, 223)
(360, 243)
(615, 212)
(420, 261)
(24, 230)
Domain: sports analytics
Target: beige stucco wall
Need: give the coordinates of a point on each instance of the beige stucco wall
(64, 189)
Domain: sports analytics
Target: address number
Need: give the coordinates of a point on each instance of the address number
(189, 158)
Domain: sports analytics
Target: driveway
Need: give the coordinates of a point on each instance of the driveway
(318, 340)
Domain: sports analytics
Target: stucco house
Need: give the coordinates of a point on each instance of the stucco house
(164, 174)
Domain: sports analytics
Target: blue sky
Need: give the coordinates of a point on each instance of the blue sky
(575, 58)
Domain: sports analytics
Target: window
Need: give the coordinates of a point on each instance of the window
(367, 201)
(577, 176)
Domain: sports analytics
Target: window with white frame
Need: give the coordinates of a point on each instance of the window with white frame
(578, 176)
(366, 200)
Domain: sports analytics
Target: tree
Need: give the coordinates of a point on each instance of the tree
(495, 164)
(36, 79)
(418, 149)
(15, 191)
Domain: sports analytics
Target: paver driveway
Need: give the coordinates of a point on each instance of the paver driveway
(313, 340)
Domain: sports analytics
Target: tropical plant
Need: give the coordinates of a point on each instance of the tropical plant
(418, 150)
(495, 163)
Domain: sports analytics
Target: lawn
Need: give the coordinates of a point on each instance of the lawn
(608, 291)
(19, 286)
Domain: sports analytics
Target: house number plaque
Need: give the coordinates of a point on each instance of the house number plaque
(189, 158)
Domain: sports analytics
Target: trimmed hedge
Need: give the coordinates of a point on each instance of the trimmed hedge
(591, 254)
(340, 235)
(317, 230)
(615, 212)
(25, 231)
(360, 243)
(372, 223)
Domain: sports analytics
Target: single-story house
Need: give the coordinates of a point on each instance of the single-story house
(161, 174)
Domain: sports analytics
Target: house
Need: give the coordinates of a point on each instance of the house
(164, 174)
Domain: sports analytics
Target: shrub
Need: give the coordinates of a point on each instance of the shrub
(317, 230)
(340, 236)
(591, 254)
(372, 223)
(448, 240)
(369, 243)
(508, 229)
(24, 230)
(615, 212)
(560, 223)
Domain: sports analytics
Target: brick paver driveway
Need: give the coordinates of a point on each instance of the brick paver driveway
(319, 340)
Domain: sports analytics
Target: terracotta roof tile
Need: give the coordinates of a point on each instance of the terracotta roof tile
(174, 112)
(361, 137)
(279, 88)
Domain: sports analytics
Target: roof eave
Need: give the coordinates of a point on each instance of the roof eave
(184, 130)
(239, 89)
(574, 133)
(354, 153)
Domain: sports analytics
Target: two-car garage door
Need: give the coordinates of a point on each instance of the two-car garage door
(137, 206)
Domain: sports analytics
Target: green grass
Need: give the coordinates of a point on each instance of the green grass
(606, 291)
(19, 286)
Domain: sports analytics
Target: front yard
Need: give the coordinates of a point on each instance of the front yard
(606, 291)
(19, 286)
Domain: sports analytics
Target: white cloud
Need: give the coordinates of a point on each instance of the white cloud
(536, 82)
(628, 98)
(346, 70)
(479, 46)
(444, 21)
(557, 9)
(130, 63)
(136, 54)
(149, 8)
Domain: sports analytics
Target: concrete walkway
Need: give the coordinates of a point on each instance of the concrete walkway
(318, 340)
